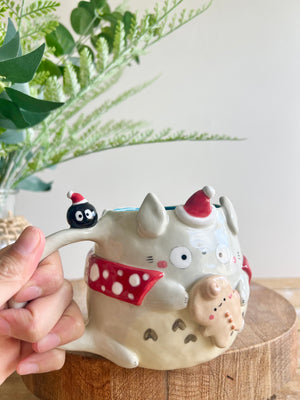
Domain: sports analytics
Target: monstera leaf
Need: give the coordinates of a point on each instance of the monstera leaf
(19, 110)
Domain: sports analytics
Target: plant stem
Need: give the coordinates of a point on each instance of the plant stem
(80, 40)
(182, 24)
(21, 15)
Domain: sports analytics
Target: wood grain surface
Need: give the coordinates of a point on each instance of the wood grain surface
(257, 367)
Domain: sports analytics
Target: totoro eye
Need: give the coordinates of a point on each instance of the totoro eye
(181, 257)
(78, 216)
(223, 254)
(204, 250)
(89, 213)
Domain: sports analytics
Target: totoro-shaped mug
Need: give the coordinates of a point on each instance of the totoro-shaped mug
(167, 286)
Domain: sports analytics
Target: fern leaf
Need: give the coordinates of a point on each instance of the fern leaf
(86, 71)
(119, 39)
(84, 97)
(39, 8)
(10, 7)
(106, 136)
(182, 16)
(102, 54)
(38, 31)
(144, 24)
(166, 6)
(173, 22)
(40, 78)
(53, 90)
(2, 32)
(133, 29)
(83, 121)
(71, 86)
(3, 10)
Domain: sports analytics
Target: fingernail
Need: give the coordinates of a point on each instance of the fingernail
(49, 342)
(4, 327)
(29, 293)
(28, 241)
(28, 368)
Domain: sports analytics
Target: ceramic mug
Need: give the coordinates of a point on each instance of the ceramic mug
(167, 286)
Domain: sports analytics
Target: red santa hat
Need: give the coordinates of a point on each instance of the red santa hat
(76, 198)
(198, 210)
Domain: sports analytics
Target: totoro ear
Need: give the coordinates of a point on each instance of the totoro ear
(152, 218)
(230, 214)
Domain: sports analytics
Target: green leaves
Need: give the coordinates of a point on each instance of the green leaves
(119, 39)
(13, 115)
(10, 116)
(94, 19)
(12, 136)
(75, 72)
(18, 110)
(39, 9)
(34, 184)
(83, 18)
(61, 40)
(87, 15)
(30, 103)
(10, 49)
(21, 69)
(10, 32)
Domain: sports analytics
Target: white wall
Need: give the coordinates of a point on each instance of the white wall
(235, 71)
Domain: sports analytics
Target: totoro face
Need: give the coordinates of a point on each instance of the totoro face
(82, 216)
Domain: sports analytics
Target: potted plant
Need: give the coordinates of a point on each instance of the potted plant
(49, 78)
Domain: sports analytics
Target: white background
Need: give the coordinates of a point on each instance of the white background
(235, 71)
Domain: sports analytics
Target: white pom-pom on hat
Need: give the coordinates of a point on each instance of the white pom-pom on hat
(198, 210)
(76, 198)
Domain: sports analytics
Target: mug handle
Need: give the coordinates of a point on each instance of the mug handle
(60, 239)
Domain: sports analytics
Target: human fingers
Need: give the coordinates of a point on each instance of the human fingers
(32, 323)
(47, 279)
(69, 328)
(41, 362)
(19, 261)
(10, 351)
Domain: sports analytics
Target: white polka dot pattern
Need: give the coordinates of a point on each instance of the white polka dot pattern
(123, 282)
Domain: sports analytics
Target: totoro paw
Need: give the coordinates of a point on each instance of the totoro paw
(130, 361)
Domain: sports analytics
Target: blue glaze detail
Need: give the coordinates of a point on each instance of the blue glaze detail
(136, 209)
(168, 208)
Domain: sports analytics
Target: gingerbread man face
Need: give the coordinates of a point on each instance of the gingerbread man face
(216, 307)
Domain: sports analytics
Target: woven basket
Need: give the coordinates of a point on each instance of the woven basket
(11, 228)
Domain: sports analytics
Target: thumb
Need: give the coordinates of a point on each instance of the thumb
(19, 261)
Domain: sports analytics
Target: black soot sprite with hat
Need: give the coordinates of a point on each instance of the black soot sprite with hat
(81, 214)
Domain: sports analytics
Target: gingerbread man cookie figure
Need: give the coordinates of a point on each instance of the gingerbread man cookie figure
(217, 308)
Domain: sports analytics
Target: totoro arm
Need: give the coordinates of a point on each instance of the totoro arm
(243, 287)
(166, 295)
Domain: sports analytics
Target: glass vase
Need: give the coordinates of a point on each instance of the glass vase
(11, 225)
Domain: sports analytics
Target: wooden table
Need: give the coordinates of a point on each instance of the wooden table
(14, 388)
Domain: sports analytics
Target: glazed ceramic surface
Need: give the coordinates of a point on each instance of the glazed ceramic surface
(167, 287)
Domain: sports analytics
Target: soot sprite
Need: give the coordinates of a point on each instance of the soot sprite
(81, 214)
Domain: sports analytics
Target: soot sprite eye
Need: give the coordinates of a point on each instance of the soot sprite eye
(181, 257)
(79, 216)
(89, 214)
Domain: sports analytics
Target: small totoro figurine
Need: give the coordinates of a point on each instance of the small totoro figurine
(81, 214)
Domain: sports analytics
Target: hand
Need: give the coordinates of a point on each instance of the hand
(29, 336)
